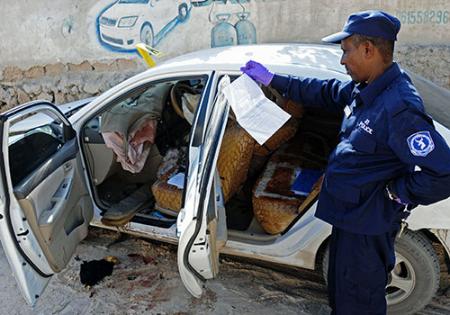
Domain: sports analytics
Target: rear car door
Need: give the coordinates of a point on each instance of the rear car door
(201, 224)
(45, 207)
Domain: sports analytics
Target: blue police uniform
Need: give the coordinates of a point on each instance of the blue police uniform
(386, 141)
(385, 133)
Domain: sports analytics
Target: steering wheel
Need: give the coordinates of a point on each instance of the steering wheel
(175, 97)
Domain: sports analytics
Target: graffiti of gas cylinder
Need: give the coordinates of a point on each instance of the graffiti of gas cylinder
(223, 33)
(245, 30)
(147, 52)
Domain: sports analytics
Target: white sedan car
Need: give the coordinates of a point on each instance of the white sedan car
(201, 181)
(125, 23)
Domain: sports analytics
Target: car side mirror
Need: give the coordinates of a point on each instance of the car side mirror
(69, 132)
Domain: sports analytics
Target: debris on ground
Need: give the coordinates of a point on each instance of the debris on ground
(92, 272)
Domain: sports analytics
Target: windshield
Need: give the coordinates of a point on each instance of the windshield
(134, 1)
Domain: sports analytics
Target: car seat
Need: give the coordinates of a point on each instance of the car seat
(275, 206)
(233, 164)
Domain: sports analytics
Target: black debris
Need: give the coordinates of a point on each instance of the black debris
(92, 272)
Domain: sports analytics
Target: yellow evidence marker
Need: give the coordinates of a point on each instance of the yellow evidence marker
(147, 52)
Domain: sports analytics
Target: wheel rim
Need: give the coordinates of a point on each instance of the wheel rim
(147, 36)
(182, 12)
(402, 281)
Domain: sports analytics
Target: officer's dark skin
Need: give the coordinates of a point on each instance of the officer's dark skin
(363, 62)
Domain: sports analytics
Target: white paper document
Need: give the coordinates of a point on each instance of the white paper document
(258, 115)
(177, 180)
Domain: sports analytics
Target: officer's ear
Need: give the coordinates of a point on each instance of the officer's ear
(369, 49)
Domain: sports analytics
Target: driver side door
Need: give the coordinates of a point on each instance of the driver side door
(45, 207)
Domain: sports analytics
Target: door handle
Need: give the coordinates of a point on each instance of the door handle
(67, 167)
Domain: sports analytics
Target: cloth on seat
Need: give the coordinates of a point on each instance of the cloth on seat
(129, 128)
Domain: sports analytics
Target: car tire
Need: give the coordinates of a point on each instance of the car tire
(183, 12)
(146, 35)
(416, 270)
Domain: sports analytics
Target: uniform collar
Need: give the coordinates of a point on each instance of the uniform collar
(369, 92)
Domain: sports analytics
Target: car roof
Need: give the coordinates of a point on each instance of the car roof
(234, 57)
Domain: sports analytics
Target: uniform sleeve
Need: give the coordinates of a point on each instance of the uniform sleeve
(331, 94)
(415, 141)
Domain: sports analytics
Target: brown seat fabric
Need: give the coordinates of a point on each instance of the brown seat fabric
(233, 164)
(275, 206)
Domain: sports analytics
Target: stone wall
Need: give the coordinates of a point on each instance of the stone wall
(430, 61)
(61, 83)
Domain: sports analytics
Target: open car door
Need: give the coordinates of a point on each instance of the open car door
(45, 208)
(201, 224)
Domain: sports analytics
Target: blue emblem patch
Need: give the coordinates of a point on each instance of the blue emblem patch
(420, 143)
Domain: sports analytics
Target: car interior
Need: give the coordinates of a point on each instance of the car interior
(136, 152)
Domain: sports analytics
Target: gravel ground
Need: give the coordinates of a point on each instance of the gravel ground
(146, 281)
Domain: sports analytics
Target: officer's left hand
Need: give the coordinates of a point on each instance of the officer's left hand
(257, 72)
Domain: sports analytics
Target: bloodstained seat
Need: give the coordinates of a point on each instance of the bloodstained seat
(275, 206)
(233, 163)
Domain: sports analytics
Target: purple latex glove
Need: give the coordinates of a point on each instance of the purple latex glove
(257, 72)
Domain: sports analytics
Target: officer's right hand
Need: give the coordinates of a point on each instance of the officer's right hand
(257, 72)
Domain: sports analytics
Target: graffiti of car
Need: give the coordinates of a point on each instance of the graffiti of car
(203, 3)
(58, 176)
(125, 23)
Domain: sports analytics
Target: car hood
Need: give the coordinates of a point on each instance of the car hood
(125, 9)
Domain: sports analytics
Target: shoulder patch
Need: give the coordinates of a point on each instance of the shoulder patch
(420, 143)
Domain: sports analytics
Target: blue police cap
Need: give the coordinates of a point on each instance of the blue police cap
(369, 23)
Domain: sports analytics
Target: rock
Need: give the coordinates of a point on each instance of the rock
(60, 98)
(13, 102)
(22, 97)
(125, 64)
(100, 66)
(5, 107)
(11, 92)
(117, 78)
(4, 96)
(71, 98)
(92, 86)
(32, 88)
(34, 72)
(45, 96)
(84, 66)
(12, 73)
(55, 69)
(74, 90)
(83, 96)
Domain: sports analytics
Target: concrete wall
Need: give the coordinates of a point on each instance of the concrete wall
(63, 50)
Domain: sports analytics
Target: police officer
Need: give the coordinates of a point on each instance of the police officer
(371, 182)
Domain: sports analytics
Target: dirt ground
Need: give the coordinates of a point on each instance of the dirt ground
(147, 282)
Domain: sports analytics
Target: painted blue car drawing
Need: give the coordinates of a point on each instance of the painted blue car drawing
(125, 23)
